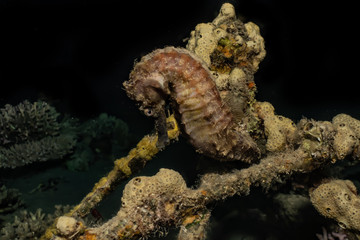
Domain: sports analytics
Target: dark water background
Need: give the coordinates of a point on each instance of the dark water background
(76, 54)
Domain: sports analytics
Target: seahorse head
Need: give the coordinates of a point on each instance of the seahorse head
(149, 90)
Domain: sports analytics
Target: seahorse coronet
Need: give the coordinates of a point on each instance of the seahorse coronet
(178, 75)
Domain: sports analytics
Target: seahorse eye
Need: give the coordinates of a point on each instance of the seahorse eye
(148, 112)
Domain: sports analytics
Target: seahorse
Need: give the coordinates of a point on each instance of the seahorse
(178, 76)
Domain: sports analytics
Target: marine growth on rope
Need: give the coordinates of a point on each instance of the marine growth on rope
(178, 76)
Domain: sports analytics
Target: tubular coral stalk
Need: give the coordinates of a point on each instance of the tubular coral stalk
(179, 75)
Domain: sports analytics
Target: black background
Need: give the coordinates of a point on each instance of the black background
(76, 54)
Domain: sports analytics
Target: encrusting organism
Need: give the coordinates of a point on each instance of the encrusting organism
(232, 50)
(338, 199)
(347, 135)
(279, 130)
(199, 99)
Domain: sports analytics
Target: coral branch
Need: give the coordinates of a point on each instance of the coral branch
(30, 132)
(123, 168)
(145, 150)
(152, 204)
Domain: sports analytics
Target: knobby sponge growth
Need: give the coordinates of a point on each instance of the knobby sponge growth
(225, 52)
(338, 199)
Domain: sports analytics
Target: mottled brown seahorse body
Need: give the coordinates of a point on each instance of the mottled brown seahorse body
(178, 75)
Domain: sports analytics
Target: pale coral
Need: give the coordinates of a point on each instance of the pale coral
(279, 130)
(347, 134)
